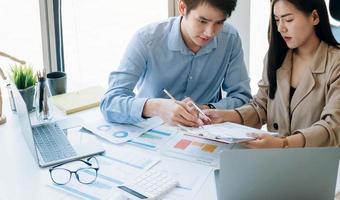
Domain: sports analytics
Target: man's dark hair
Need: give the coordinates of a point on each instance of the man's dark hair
(226, 6)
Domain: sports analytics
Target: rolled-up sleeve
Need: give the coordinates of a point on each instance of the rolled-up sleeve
(119, 103)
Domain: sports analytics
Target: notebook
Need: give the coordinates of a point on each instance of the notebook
(79, 100)
(301, 173)
(48, 142)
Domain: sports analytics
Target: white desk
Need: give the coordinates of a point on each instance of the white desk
(20, 176)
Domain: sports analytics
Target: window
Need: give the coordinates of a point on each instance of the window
(96, 33)
(20, 34)
(259, 21)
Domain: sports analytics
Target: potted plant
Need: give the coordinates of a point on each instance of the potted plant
(25, 80)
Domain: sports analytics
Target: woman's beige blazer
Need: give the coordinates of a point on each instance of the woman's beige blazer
(314, 109)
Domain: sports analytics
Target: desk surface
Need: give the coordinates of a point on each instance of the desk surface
(20, 176)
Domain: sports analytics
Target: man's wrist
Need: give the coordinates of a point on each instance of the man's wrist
(210, 106)
(150, 108)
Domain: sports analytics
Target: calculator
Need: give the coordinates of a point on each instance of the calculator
(149, 185)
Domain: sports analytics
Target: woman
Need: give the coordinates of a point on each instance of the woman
(299, 94)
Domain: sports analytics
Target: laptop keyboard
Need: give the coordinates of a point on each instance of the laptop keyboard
(52, 142)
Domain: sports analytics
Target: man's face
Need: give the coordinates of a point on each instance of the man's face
(201, 25)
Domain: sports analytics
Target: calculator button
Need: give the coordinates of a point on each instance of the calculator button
(149, 185)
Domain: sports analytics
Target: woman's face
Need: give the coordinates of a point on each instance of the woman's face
(294, 26)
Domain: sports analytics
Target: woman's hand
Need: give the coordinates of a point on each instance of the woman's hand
(219, 116)
(216, 116)
(263, 140)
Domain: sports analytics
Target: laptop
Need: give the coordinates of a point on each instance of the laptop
(48, 142)
(304, 173)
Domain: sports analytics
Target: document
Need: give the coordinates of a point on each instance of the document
(225, 132)
(154, 138)
(194, 149)
(120, 133)
(115, 167)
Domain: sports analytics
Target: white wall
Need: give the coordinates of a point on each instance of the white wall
(240, 19)
(20, 34)
(259, 15)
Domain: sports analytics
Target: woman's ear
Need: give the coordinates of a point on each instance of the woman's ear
(315, 17)
(182, 8)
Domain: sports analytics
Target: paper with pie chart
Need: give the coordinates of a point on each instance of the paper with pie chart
(118, 133)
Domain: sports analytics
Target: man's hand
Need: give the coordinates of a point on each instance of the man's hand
(199, 110)
(172, 112)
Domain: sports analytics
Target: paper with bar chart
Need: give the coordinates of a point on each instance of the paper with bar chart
(115, 168)
(154, 138)
(195, 149)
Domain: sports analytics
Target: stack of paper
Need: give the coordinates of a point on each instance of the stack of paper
(79, 100)
(225, 132)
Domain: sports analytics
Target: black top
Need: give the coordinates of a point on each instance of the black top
(291, 93)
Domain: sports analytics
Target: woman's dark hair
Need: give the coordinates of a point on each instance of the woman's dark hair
(277, 46)
(226, 6)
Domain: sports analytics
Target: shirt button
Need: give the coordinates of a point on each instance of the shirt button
(276, 126)
(190, 77)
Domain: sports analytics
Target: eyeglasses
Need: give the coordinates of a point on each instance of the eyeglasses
(85, 175)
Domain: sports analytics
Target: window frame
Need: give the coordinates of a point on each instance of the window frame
(51, 32)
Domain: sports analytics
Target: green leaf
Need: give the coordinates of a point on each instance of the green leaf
(23, 76)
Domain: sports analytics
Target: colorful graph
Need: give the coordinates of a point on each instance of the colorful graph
(151, 139)
(186, 144)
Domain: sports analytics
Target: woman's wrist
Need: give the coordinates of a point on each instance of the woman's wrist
(233, 116)
(295, 141)
(285, 143)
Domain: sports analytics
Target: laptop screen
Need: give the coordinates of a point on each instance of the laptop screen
(302, 173)
(25, 124)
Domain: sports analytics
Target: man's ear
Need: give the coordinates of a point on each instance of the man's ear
(315, 17)
(182, 8)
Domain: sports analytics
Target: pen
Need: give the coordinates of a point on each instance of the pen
(200, 111)
(196, 107)
(169, 95)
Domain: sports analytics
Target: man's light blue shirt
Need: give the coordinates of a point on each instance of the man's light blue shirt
(157, 58)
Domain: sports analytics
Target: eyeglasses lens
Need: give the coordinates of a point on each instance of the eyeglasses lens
(87, 175)
(60, 176)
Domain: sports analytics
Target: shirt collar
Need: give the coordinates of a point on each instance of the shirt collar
(319, 60)
(176, 43)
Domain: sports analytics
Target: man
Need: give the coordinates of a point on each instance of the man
(194, 55)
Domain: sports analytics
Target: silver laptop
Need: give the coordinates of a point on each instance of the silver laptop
(48, 143)
(305, 173)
